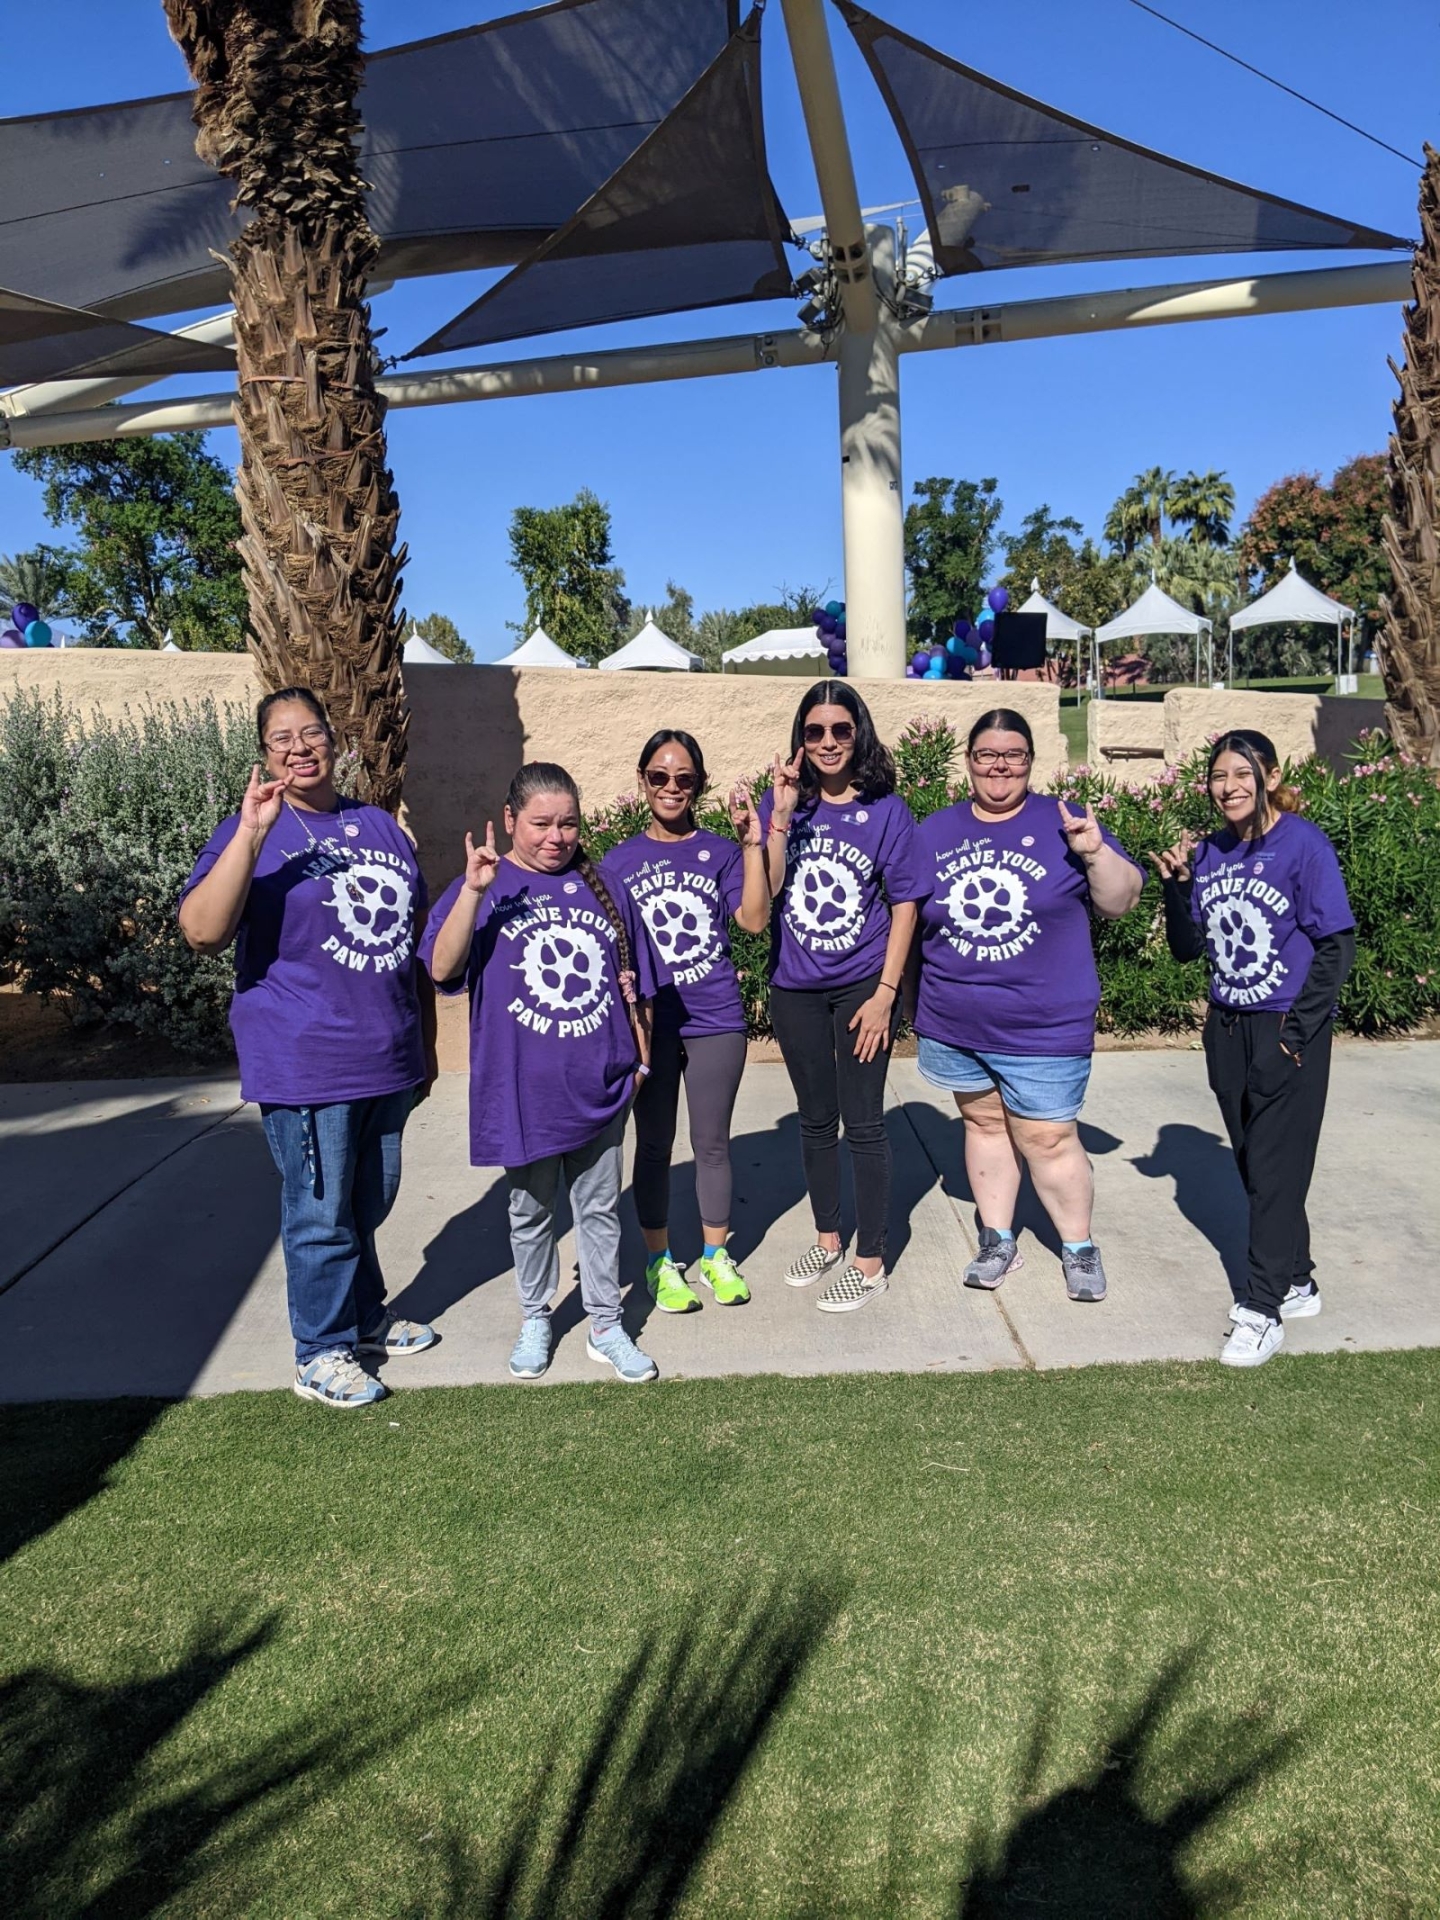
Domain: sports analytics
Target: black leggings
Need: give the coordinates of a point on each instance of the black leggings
(1272, 1111)
(712, 1066)
(831, 1085)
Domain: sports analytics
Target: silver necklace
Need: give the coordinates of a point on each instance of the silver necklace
(352, 885)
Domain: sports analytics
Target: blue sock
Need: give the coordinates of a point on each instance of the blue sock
(1076, 1246)
(1003, 1233)
(654, 1259)
(708, 1252)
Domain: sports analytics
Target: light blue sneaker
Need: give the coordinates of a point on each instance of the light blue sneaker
(530, 1355)
(620, 1351)
(337, 1380)
(394, 1336)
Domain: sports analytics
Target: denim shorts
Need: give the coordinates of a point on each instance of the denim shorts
(1033, 1086)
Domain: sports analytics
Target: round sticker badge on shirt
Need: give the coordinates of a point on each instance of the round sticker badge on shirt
(704, 854)
(352, 832)
(861, 817)
(570, 886)
(1027, 839)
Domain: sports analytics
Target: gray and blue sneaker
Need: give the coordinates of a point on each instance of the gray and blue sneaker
(1084, 1272)
(620, 1351)
(995, 1259)
(530, 1355)
(394, 1337)
(337, 1379)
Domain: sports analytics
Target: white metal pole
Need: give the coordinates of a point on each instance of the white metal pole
(871, 496)
(64, 396)
(814, 62)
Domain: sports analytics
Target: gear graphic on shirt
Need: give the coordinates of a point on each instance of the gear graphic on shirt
(563, 967)
(1240, 938)
(680, 925)
(988, 904)
(373, 903)
(824, 896)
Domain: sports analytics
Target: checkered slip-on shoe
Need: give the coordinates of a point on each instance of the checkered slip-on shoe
(813, 1266)
(850, 1290)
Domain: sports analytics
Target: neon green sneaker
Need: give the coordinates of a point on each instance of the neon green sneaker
(667, 1286)
(724, 1279)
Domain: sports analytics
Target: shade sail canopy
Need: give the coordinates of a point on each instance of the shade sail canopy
(1293, 602)
(40, 340)
(1153, 612)
(782, 650)
(538, 651)
(651, 651)
(1058, 624)
(476, 145)
(418, 652)
(1009, 182)
(690, 220)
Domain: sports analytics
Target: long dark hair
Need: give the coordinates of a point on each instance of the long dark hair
(872, 769)
(305, 696)
(544, 776)
(1001, 720)
(1257, 750)
(676, 737)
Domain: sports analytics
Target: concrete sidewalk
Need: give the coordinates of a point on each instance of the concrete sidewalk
(138, 1238)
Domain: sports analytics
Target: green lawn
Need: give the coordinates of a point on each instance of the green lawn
(1125, 1642)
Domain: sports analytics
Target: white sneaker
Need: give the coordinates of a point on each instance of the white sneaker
(1297, 1304)
(1254, 1339)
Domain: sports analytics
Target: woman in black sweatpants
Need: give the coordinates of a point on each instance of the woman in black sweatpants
(844, 873)
(1264, 898)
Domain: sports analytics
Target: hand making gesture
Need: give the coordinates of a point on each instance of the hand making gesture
(482, 863)
(785, 788)
(262, 801)
(1173, 863)
(1082, 830)
(743, 817)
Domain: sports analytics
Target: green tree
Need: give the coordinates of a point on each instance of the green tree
(1139, 514)
(951, 530)
(41, 576)
(1204, 504)
(158, 523)
(572, 586)
(1332, 533)
(443, 634)
(1041, 554)
(724, 627)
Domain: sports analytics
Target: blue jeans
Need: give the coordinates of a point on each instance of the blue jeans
(1032, 1086)
(340, 1169)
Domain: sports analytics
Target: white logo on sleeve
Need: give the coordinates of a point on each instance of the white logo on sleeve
(1240, 938)
(680, 925)
(824, 897)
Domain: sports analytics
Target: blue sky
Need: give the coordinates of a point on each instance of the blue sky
(730, 486)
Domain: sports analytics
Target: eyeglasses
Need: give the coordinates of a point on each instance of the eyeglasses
(842, 733)
(1013, 759)
(657, 779)
(308, 736)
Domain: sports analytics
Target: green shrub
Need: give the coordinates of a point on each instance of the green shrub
(99, 827)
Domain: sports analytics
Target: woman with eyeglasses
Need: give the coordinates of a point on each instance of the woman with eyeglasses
(323, 899)
(687, 885)
(841, 860)
(1005, 991)
(1265, 899)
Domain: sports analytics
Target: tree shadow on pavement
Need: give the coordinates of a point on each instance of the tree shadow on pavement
(1208, 1191)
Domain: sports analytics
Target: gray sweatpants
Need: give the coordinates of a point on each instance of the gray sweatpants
(592, 1175)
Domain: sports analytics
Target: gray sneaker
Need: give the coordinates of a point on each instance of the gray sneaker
(620, 1351)
(813, 1266)
(530, 1356)
(1084, 1272)
(995, 1259)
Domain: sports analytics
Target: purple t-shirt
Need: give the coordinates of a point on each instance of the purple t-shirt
(552, 1052)
(686, 891)
(831, 922)
(325, 1007)
(1261, 905)
(1006, 962)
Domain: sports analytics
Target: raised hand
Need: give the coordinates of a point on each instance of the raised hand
(785, 787)
(263, 799)
(1173, 863)
(482, 863)
(744, 818)
(1082, 830)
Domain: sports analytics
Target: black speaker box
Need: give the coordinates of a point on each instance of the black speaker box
(1019, 641)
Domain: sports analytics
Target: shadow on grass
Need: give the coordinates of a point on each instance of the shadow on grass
(59, 1455)
(620, 1834)
(99, 1822)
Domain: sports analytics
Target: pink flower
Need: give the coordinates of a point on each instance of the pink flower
(1157, 806)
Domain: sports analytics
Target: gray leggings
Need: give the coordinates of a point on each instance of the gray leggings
(592, 1174)
(712, 1066)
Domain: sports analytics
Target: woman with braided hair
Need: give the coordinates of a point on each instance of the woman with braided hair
(559, 977)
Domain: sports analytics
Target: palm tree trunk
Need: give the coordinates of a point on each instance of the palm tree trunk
(1408, 642)
(275, 110)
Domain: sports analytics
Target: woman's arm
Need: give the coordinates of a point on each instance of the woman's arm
(1329, 969)
(1115, 883)
(1177, 881)
(450, 955)
(871, 1022)
(753, 912)
(211, 912)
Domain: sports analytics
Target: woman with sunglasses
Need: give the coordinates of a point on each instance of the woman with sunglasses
(1265, 898)
(836, 834)
(322, 898)
(1008, 991)
(688, 884)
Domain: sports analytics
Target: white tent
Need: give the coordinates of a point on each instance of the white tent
(418, 652)
(170, 647)
(785, 650)
(1058, 624)
(1154, 612)
(652, 651)
(538, 651)
(1294, 602)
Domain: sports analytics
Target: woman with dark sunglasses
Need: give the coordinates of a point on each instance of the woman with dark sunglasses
(836, 834)
(688, 884)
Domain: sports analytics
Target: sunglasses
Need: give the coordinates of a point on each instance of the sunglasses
(842, 733)
(658, 780)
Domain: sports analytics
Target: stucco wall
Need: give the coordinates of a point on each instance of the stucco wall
(1126, 737)
(1300, 724)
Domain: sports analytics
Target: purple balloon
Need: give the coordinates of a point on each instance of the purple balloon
(817, 614)
(10, 638)
(986, 628)
(826, 623)
(984, 656)
(921, 660)
(840, 628)
(23, 613)
(997, 599)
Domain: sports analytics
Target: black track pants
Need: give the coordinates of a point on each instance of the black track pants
(1272, 1111)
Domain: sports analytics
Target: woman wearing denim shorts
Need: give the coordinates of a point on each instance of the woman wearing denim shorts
(1006, 993)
